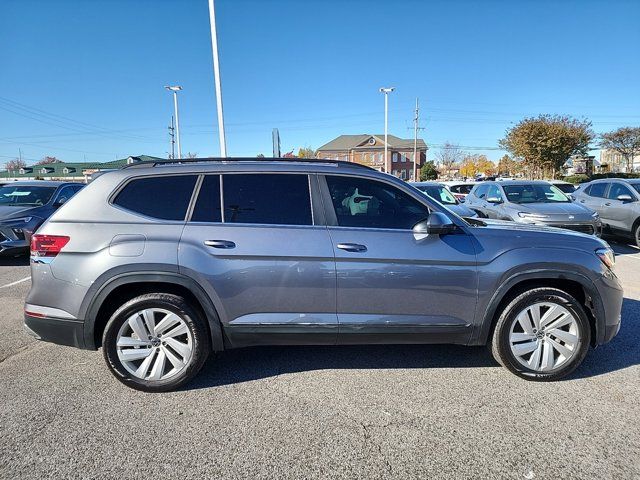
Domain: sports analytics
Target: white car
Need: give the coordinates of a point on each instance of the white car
(459, 189)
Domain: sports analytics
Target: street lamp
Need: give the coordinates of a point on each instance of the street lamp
(175, 89)
(386, 92)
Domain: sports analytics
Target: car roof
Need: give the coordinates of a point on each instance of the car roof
(612, 179)
(40, 183)
(427, 184)
(517, 182)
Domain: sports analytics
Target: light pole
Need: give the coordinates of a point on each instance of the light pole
(216, 75)
(175, 89)
(386, 92)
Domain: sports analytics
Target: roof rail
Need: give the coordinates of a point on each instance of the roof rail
(153, 163)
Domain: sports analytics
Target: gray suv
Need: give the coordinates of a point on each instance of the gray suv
(161, 264)
(531, 202)
(618, 203)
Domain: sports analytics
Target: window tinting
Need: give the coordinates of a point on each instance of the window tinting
(598, 189)
(481, 191)
(494, 192)
(534, 193)
(359, 202)
(618, 189)
(207, 208)
(165, 197)
(273, 198)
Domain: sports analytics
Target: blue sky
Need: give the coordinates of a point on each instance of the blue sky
(84, 79)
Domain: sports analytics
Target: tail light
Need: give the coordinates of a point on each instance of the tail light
(47, 245)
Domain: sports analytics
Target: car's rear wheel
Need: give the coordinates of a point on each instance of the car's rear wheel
(542, 334)
(155, 342)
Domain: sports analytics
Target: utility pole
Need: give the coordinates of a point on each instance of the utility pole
(416, 127)
(172, 139)
(216, 75)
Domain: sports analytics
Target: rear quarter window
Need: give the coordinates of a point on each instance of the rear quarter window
(165, 198)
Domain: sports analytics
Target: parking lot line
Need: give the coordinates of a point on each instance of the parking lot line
(16, 282)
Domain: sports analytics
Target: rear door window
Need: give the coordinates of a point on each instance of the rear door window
(597, 190)
(166, 197)
(272, 199)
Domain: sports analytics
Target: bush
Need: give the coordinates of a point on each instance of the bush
(428, 172)
(575, 179)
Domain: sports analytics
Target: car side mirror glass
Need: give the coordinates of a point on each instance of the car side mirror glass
(494, 200)
(625, 198)
(437, 223)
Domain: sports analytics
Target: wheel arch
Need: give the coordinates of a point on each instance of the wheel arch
(577, 285)
(120, 288)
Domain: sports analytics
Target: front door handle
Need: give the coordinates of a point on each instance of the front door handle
(352, 247)
(220, 243)
(608, 204)
(581, 201)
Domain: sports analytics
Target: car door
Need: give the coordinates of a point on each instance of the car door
(394, 285)
(618, 212)
(263, 253)
(593, 197)
(494, 210)
(477, 199)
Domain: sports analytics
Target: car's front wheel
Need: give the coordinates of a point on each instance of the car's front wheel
(155, 342)
(542, 334)
(636, 234)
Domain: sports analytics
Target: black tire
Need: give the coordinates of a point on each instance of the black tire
(201, 345)
(636, 234)
(499, 341)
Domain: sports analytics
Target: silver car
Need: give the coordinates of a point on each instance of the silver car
(531, 202)
(617, 201)
(442, 194)
(162, 264)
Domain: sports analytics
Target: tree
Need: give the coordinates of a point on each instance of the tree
(625, 141)
(260, 155)
(448, 155)
(546, 142)
(306, 152)
(428, 171)
(47, 160)
(484, 165)
(16, 164)
(289, 155)
(468, 167)
(192, 155)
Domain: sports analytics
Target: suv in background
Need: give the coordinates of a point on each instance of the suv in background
(531, 202)
(617, 201)
(161, 264)
(24, 206)
(442, 194)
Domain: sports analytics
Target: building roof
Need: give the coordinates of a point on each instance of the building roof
(348, 142)
(72, 169)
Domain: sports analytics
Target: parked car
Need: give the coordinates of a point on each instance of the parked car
(441, 193)
(617, 201)
(566, 187)
(459, 189)
(531, 202)
(162, 264)
(24, 206)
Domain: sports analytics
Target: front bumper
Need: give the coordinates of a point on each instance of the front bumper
(13, 239)
(611, 297)
(62, 331)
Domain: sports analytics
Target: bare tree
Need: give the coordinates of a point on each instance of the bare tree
(16, 164)
(48, 160)
(625, 141)
(448, 155)
(192, 155)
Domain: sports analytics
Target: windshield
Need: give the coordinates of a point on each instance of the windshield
(565, 187)
(25, 195)
(439, 193)
(535, 193)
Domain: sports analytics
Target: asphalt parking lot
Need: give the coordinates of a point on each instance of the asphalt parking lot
(301, 412)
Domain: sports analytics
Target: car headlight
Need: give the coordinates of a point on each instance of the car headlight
(13, 221)
(607, 257)
(533, 216)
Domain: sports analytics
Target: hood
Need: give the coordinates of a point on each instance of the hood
(462, 210)
(557, 210)
(524, 228)
(8, 212)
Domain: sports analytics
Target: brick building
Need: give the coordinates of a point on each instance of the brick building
(368, 149)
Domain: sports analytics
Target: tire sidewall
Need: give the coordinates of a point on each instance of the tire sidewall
(175, 305)
(529, 298)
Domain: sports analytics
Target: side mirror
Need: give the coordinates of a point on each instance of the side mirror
(494, 200)
(625, 198)
(437, 223)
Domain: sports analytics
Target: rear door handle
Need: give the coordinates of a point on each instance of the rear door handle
(352, 247)
(581, 201)
(220, 243)
(608, 204)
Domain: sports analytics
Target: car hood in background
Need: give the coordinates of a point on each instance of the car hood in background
(554, 209)
(462, 211)
(528, 227)
(8, 212)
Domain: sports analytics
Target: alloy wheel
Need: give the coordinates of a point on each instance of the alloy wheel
(154, 344)
(544, 336)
